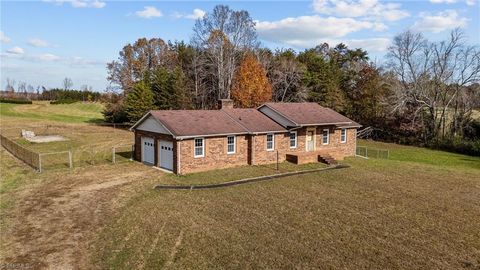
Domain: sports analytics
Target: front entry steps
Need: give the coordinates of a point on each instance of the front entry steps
(327, 159)
(310, 157)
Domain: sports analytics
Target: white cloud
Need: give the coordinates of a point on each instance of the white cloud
(369, 44)
(46, 57)
(149, 12)
(360, 8)
(75, 61)
(80, 3)
(16, 50)
(441, 21)
(4, 38)
(471, 2)
(307, 31)
(196, 14)
(36, 42)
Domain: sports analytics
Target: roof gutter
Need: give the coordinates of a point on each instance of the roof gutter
(326, 124)
(208, 135)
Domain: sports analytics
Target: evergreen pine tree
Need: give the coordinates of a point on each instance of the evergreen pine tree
(139, 101)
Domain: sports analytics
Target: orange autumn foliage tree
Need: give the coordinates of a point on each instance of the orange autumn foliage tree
(251, 87)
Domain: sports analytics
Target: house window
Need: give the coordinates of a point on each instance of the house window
(270, 142)
(293, 139)
(199, 147)
(343, 136)
(325, 137)
(230, 144)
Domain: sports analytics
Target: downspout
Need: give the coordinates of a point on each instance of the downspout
(178, 157)
(253, 149)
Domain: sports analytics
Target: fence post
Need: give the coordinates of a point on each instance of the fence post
(277, 160)
(70, 161)
(133, 152)
(113, 155)
(39, 163)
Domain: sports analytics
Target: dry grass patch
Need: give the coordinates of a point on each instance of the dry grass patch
(378, 214)
(51, 218)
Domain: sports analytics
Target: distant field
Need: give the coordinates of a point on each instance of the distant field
(43, 111)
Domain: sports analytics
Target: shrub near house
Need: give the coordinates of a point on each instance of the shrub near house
(185, 141)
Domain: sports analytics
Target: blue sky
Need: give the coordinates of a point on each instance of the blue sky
(43, 42)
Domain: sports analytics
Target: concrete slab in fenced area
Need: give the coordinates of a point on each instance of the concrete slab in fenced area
(46, 139)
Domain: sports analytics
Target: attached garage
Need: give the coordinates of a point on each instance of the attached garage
(156, 143)
(165, 154)
(148, 150)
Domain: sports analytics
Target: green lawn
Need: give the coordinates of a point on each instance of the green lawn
(238, 173)
(424, 155)
(67, 113)
(418, 210)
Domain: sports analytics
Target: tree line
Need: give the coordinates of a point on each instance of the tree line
(426, 92)
(26, 92)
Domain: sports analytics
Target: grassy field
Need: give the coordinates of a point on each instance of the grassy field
(417, 210)
(43, 111)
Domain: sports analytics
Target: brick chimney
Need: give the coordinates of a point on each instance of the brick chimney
(225, 104)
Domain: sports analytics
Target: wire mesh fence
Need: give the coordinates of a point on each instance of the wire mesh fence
(83, 145)
(366, 152)
(55, 160)
(28, 156)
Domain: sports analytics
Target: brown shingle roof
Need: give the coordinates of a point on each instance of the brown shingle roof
(198, 122)
(254, 121)
(309, 113)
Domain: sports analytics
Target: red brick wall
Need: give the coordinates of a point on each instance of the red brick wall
(335, 148)
(215, 157)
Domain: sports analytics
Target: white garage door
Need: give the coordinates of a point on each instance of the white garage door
(148, 151)
(166, 154)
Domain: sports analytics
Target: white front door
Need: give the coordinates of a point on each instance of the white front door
(148, 151)
(310, 140)
(165, 151)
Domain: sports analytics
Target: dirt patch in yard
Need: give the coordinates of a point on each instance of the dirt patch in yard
(53, 222)
(46, 139)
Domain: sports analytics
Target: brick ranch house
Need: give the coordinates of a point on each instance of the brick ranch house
(186, 141)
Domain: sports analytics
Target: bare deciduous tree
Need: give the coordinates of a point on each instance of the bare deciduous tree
(225, 35)
(10, 85)
(67, 83)
(286, 76)
(431, 76)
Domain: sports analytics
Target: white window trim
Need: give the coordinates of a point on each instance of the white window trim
(234, 144)
(195, 147)
(296, 139)
(341, 131)
(328, 137)
(273, 142)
